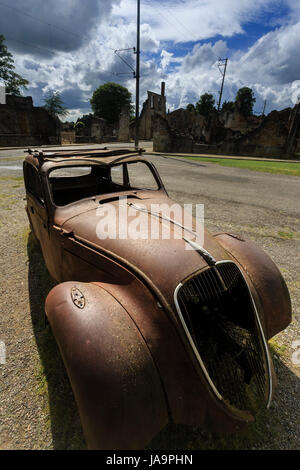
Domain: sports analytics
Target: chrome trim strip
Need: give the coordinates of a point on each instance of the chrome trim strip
(199, 249)
(219, 396)
(161, 216)
(193, 344)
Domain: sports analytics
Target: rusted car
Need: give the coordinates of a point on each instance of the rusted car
(150, 332)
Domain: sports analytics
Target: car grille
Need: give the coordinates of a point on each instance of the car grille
(218, 313)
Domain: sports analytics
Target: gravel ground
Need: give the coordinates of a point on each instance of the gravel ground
(37, 409)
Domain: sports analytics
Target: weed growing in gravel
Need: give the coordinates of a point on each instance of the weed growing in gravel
(289, 234)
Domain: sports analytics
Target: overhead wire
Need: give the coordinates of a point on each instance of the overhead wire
(48, 24)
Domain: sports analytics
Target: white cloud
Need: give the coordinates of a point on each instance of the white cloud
(166, 58)
(193, 20)
(270, 66)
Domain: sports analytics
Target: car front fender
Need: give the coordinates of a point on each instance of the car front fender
(263, 275)
(114, 379)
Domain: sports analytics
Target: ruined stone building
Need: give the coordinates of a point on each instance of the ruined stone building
(277, 134)
(237, 122)
(99, 130)
(155, 104)
(187, 123)
(22, 124)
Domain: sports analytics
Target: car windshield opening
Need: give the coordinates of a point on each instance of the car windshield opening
(72, 183)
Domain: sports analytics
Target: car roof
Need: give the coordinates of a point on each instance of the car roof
(46, 159)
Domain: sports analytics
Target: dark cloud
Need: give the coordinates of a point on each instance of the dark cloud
(73, 98)
(41, 26)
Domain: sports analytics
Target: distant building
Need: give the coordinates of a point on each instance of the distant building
(22, 124)
(2, 94)
(155, 104)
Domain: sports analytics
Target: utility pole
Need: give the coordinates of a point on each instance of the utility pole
(265, 104)
(222, 63)
(137, 76)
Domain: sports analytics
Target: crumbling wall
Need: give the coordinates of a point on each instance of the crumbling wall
(166, 139)
(22, 124)
(123, 130)
(97, 129)
(155, 104)
(237, 122)
(271, 138)
(68, 137)
(187, 122)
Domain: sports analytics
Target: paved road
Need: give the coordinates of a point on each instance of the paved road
(198, 181)
(201, 181)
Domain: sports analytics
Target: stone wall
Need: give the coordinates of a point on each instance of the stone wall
(270, 139)
(166, 139)
(123, 130)
(99, 130)
(155, 104)
(22, 124)
(187, 122)
(237, 122)
(68, 137)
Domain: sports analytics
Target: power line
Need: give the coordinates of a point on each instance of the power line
(183, 27)
(48, 24)
(168, 20)
(36, 19)
(117, 52)
(29, 44)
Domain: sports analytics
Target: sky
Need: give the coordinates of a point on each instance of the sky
(69, 46)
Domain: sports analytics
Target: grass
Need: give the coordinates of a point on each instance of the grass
(11, 159)
(11, 178)
(289, 235)
(276, 348)
(291, 169)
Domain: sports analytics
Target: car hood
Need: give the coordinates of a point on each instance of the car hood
(165, 262)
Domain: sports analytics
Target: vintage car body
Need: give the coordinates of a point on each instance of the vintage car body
(150, 332)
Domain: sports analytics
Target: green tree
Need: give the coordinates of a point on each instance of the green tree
(190, 107)
(109, 99)
(54, 104)
(205, 105)
(86, 119)
(12, 80)
(79, 125)
(228, 106)
(245, 100)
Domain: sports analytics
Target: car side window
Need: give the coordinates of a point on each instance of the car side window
(32, 182)
(141, 177)
(117, 176)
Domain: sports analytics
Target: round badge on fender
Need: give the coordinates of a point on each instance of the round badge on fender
(77, 297)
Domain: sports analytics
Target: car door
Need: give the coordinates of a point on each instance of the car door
(38, 214)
